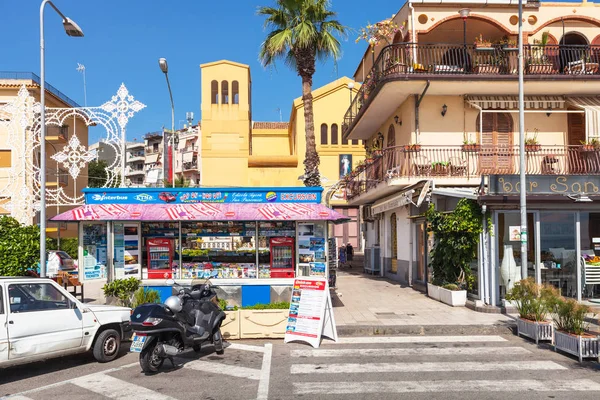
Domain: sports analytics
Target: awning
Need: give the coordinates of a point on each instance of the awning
(203, 212)
(151, 158)
(591, 106)
(512, 102)
(403, 198)
(188, 157)
(152, 176)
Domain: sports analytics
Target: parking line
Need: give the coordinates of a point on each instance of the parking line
(114, 388)
(265, 373)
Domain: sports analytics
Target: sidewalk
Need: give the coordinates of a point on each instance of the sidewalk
(364, 304)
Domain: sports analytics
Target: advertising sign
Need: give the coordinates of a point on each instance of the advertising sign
(201, 195)
(94, 251)
(310, 316)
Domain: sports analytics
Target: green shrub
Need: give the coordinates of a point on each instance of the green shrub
(145, 296)
(569, 315)
(533, 301)
(19, 247)
(68, 245)
(123, 289)
(451, 286)
(282, 305)
(225, 307)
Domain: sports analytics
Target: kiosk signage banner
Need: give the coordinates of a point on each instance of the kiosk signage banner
(311, 315)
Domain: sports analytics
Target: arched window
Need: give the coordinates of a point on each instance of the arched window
(224, 92)
(391, 139)
(235, 92)
(323, 133)
(214, 92)
(334, 134)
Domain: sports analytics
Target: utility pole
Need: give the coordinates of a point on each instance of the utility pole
(522, 172)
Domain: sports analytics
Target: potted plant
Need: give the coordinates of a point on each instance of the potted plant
(264, 320)
(420, 68)
(412, 148)
(470, 146)
(439, 168)
(590, 145)
(533, 302)
(538, 62)
(489, 65)
(571, 333)
(531, 143)
(481, 43)
(121, 291)
(453, 295)
(508, 44)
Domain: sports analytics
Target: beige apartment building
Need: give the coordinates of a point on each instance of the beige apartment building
(19, 152)
(439, 109)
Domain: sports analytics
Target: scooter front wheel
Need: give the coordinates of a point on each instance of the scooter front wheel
(218, 342)
(150, 361)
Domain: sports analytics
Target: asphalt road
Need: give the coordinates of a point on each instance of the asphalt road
(407, 367)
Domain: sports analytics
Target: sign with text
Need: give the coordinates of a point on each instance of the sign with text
(311, 315)
(545, 184)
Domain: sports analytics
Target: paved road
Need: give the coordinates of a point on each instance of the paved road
(410, 367)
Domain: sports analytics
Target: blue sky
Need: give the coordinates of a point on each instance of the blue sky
(124, 39)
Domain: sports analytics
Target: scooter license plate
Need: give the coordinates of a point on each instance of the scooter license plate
(137, 343)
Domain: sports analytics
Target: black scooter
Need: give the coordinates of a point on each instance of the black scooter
(185, 321)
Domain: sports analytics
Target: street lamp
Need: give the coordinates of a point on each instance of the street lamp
(522, 172)
(71, 29)
(464, 14)
(164, 67)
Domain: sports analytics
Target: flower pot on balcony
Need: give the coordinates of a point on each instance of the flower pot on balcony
(588, 148)
(532, 148)
(439, 170)
(487, 69)
(412, 148)
(587, 68)
(535, 330)
(470, 148)
(582, 346)
(539, 69)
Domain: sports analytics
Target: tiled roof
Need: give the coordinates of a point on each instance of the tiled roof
(270, 125)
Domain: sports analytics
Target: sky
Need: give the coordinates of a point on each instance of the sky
(125, 38)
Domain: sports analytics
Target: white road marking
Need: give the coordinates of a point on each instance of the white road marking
(53, 385)
(246, 347)
(443, 351)
(330, 388)
(424, 367)
(17, 397)
(224, 369)
(420, 339)
(114, 388)
(265, 373)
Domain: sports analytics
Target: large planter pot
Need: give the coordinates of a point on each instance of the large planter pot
(230, 328)
(580, 346)
(454, 298)
(487, 69)
(256, 324)
(433, 291)
(537, 69)
(535, 330)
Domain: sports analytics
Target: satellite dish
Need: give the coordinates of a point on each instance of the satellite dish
(423, 194)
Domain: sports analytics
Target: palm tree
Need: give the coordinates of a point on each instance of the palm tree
(302, 31)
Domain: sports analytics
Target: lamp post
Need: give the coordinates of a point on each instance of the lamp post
(522, 179)
(164, 67)
(71, 29)
(464, 14)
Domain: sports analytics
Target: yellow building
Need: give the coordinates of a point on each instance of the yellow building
(15, 171)
(237, 151)
(442, 100)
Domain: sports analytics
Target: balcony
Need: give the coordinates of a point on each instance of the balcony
(134, 171)
(137, 156)
(457, 62)
(189, 149)
(57, 133)
(152, 150)
(466, 164)
(188, 166)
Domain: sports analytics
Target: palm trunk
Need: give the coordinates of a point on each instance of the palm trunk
(312, 176)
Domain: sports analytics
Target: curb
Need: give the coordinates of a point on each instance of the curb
(390, 330)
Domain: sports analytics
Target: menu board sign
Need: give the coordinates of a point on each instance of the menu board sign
(311, 315)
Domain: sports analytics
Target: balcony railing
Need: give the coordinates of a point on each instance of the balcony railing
(190, 165)
(36, 79)
(470, 162)
(188, 149)
(402, 60)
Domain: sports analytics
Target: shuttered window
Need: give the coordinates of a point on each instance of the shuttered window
(576, 128)
(496, 143)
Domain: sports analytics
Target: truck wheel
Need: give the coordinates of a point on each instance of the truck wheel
(218, 342)
(150, 361)
(107, 345)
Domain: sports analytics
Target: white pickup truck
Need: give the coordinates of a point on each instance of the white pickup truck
(40, 320)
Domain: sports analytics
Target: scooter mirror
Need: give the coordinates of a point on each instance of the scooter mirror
(170, 282)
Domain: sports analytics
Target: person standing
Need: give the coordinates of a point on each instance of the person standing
(349, 254)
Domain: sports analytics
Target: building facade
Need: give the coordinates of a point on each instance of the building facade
(439, 111)
(135, 171)
(155, 148)
(237, 151)
(104, 152)
(187, 153)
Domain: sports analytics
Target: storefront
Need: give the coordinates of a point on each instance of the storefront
(563, 224)
(239, 236)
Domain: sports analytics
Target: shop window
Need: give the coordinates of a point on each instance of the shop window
(590, 249)
(235, 92)
(224, 92)
(311, 249)
(214, 92)
(94, 250)
(334, 134)
(558, 252)
(323, 133)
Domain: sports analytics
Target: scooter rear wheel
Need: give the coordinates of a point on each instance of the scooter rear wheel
(218, 342)
(150, 361)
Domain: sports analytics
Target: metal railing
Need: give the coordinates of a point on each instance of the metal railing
(470, 162)
(36, 79)
(402, 60)
(190, 165)
(188, 149)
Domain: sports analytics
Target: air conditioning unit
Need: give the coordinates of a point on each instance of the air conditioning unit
(367, 213)
(372, 262)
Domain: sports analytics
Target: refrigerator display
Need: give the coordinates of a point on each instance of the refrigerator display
(282, 257)
(160, 257)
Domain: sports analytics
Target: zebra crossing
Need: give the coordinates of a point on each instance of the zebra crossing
(422, 366)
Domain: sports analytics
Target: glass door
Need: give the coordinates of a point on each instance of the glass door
(589, 228)
(419, 268)
(558, 251)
